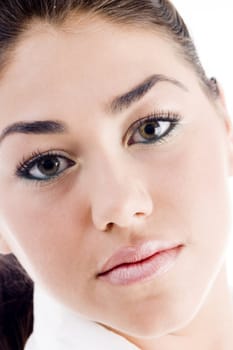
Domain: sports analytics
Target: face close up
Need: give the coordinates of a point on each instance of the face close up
(111, 177)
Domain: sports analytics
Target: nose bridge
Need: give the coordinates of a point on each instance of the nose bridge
(111, 174)
(116, 194)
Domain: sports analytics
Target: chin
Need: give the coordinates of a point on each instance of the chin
(154, 324)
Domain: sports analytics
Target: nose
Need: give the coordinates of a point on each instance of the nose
(118, 198)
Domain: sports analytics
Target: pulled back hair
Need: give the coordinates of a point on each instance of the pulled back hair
(17, 16)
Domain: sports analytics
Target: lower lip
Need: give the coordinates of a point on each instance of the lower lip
(144, 270)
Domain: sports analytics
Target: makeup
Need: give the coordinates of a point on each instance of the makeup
(139, 266)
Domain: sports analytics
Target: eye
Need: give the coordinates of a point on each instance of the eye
(153, 128)
(44, 167)
(48, 166)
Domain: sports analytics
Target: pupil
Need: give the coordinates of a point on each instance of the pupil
(49, 166)
(150, 129)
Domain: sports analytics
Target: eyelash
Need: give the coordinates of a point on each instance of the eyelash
(173, 117)
(24, 166)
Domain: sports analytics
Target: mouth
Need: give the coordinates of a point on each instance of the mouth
(135, 264)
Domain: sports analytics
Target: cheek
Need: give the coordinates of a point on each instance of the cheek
(43, 232)
(190, 185)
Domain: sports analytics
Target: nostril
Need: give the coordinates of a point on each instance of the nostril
(139, 214)
(109, 226)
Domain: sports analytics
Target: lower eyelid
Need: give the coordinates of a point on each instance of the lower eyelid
(170, 134)
(47, 183)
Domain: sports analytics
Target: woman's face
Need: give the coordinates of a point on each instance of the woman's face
(119, 182)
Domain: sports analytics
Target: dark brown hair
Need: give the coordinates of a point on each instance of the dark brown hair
(16, 304)
(16, 17)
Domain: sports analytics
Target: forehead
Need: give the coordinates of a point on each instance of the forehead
(89, 61)
(86, 48)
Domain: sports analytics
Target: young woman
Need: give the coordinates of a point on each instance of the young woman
(116, 153)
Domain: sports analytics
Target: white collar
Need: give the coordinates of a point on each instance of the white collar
(56, 327)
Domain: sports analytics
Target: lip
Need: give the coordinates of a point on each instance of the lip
(133, 263)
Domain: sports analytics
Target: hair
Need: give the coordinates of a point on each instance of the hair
(16, 19)
(18, 16)
(16, 304)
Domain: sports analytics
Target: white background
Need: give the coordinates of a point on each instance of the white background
(211, 25)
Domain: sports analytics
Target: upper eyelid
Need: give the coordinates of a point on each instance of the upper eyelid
(155, 115)
(40, 154)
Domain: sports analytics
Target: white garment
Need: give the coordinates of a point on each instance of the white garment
(58, 328)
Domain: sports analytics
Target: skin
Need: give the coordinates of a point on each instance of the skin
(175, 190)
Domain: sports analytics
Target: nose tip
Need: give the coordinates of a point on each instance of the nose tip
(125, 209)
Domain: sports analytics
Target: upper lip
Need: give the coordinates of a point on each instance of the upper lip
(133, 254)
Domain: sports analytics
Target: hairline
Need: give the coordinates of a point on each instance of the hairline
(8, 55)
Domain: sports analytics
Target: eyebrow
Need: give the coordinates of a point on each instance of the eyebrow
(118, 104)
(122, 102)
(35, 127)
